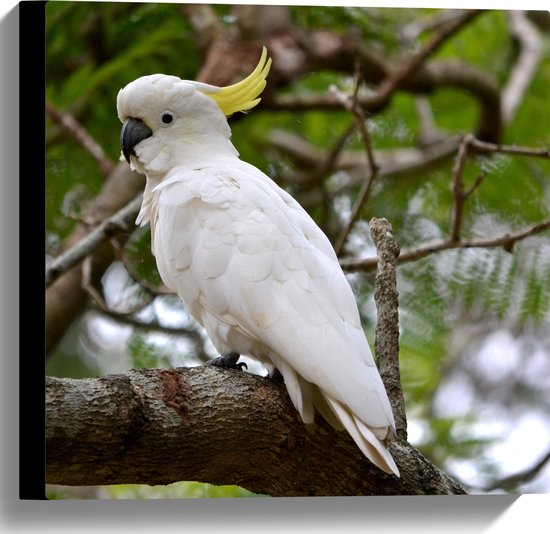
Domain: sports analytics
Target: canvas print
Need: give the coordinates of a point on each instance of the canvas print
(296, 251)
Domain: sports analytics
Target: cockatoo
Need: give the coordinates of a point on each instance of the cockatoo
(248, 262)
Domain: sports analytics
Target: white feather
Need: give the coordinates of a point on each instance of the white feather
(286, 291)
(256, 271)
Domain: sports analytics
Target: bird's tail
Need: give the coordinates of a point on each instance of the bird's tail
(366, 439)
(305, 396)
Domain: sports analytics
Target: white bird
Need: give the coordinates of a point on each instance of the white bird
(249, 263)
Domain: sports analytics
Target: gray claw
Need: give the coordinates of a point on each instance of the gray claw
(228, 361)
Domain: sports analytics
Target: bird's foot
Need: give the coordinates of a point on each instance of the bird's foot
(228, 361)
(276, 376)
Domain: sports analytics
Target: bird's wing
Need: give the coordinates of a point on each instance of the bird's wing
(236, 245)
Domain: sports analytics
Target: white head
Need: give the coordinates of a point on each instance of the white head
(168, 121)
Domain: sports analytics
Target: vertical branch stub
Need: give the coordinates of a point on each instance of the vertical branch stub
(387, 326)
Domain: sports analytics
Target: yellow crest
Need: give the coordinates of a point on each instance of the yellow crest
(242, 96)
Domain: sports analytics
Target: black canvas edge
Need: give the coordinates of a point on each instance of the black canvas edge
(32, 461)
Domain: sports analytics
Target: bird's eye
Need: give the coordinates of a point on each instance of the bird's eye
(167, 117)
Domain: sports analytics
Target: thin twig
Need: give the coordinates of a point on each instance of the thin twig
(387, 325)
(322, 165)
(429, 133)
(512, 481)
(470, 144)
(191, 334)
(87, 285)
(329, 163)
(69, 123)
(119, 222)
(353, 106)
(506, 241)
(454, 241)
(390, 161)
(459, 193)
(413, 30)
(475, 184)
(97, 297)
(146, 285)
(458, 188)
(411, 65)
(386, 88)
(482, 147)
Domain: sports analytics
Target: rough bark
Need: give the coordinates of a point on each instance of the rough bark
(157, 426)
(387, 325)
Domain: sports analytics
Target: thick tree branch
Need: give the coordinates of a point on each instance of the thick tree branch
(107, 431)
(391, 162)
(206, 25)
(121, 221)
(65, 298)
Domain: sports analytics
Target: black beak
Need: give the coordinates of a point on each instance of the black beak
(133, 131)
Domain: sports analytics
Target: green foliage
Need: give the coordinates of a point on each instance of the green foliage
(145, 355)
(451, 438)
(495, 53)
(92, 50)
(138, 252)
(423, 338)
(178, 490)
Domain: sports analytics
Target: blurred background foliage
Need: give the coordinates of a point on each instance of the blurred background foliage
(475, 350)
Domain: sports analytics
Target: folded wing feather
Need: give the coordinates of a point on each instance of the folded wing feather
(263, 279)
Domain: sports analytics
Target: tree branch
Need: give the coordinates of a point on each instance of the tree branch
(69, 123)
(323, 164)
(206, 25)
(391, 162)
(387, 325)
(411, 65)
(352, 105)
(525, 67)
(65, 298)
(454, 241)
(506, 241)
(107, 431)
(513, 481)
(118, 222)
(458, 189)
(412, 31)
(483, 147)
